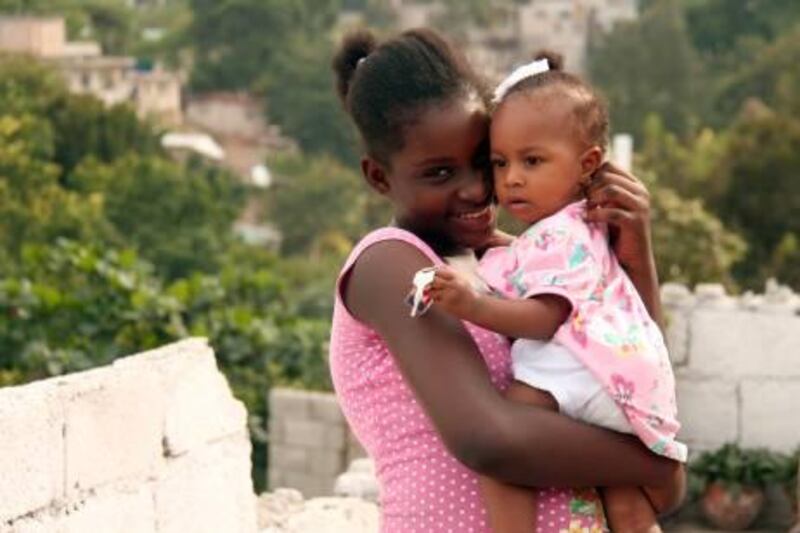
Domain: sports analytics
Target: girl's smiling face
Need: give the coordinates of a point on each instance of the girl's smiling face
(539, 159)
(438, 182)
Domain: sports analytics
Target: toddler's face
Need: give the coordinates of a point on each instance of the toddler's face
(537, 155)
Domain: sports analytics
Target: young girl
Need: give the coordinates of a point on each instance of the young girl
(586, 345)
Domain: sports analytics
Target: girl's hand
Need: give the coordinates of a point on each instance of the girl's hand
(622, 201)
(453, 293)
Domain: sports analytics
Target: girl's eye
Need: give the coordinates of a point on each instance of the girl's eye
(498, 163)
(532, 160)
(439, 173)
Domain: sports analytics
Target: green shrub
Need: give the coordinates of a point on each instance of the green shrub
(737, 467)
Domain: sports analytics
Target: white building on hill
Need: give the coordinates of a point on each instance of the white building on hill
(112, 79)
(521, 28)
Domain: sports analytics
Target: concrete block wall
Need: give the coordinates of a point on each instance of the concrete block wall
(309, 442)
(154, 443)
(737, 364)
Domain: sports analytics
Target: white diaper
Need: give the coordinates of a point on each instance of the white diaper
(551, 367)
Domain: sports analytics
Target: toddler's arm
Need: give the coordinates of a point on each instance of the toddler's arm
(537, 318)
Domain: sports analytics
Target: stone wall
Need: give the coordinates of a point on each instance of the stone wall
(737, 363)
(153, 443)
(309, 442)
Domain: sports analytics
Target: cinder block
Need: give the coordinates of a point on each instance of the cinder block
(288, 458)
(289, 404)
(306, 433)
(208, 490)
(310, 485)
(120, 512)
(336, 438)
(200, 407)
(324, 407)
(708, 411)
(31, 448)
(114, 425)
(277, 433)
(43, 522)
(275, 479)
(168, 356)
(328, 515)
(677, 335)
(770, 414)
(354, 448)
(200, 404)
(738, 343)
(326, 463)
(194, 391)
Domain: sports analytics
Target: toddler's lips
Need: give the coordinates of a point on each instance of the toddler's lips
(516, 203)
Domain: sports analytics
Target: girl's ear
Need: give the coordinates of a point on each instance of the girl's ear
(591, 160)
(375, 174)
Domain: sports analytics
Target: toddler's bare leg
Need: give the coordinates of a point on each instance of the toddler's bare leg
(512, 509)
(629, 510)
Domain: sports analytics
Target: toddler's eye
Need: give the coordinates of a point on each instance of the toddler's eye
(498, 163)
(532, 160)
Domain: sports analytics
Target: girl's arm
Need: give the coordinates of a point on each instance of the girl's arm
(532, 318)
(491, 435)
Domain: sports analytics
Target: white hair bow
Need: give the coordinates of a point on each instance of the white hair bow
(525, 71)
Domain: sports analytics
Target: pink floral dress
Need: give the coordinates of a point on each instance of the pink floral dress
(423, 488)
(609, 329)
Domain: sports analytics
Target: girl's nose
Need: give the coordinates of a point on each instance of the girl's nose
(475, 186)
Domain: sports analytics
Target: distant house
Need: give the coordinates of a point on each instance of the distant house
(113, 79)
(526, 26)
(181, 145)
(237, 121)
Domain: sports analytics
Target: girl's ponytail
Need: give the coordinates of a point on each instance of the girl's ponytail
(354, 49)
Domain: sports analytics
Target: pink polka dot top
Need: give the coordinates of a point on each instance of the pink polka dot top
(423, 488)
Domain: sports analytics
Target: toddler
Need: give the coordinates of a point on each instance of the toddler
(585, 343)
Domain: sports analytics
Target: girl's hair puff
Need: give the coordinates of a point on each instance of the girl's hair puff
(384, 86)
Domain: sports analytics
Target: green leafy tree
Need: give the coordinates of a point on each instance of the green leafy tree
(648, 66)
(691, 245)
(279, 49)
(33, 205)
(28, 86)
(718, 27)
(179, 219)
(317, 201)
(84, 127)
(71, 168)
(689, 165)
(235, 42)
(785, 261)
(762, 197)
(300, 97)
(111, 22)
(770, 74)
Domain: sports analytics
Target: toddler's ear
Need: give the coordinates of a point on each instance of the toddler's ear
(591, 160)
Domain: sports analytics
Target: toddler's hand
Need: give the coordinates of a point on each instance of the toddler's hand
(453, 292)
